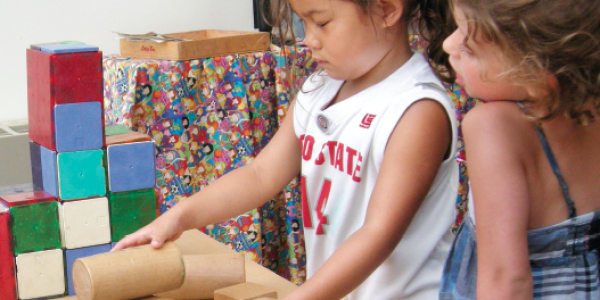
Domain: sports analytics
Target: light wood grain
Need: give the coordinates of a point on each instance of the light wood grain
(196, 242)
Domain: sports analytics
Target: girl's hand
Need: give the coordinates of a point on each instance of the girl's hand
(164, 229)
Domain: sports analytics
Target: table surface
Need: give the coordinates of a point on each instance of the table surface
(196, 242)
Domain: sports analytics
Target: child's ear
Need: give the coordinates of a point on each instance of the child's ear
(391, 11)
(540, 92)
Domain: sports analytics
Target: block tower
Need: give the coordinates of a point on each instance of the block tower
(91, 185)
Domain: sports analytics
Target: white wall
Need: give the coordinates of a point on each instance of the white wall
(26, 22)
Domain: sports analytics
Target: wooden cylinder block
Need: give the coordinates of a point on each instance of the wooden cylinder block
(129, 273)
(207, 273)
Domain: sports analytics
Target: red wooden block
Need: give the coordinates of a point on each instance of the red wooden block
(26, 198)
(57, 79)
(8, 284)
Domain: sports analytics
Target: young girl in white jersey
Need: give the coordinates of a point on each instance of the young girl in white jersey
(376, 154)
(534, 157)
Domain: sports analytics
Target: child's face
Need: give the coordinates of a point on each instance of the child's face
(344, 40)
(478, 65)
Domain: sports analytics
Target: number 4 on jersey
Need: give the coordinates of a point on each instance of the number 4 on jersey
(321, 204)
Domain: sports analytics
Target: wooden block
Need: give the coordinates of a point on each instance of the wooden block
(8, 283)
(111, 130)
(49, 171)
(130, 211)
(245, 291)
(81, 174)
(204, 274)
(66, 47)
(73, 254)
(57, 79)
(25, 198)
(78, 126)
(40, 45)
(35, 227)
(131, 166)
(125, 138)
(40, 274)
(128, 274)
(84, 223)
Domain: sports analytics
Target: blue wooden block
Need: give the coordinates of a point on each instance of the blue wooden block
(131, 166)
(78, 126)
(64, 47)
(74, 254)
(39, 46)
(49, 171)
(36, 166)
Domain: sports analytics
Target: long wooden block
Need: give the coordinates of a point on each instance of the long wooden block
(130, 211)
(78, 126)
(81, 174)
(57, 79)
(245, 291)
(131, 166)
(128, 274)
(40, 274)
(8, 284)
(73, 254)
(84, 223)
(207, 273)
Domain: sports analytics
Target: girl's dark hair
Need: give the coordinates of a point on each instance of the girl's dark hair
(432, 19)
(556, 39)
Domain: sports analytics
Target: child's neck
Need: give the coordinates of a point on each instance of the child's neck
(392, 61)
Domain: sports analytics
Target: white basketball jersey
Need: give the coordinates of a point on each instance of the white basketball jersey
(342, 149)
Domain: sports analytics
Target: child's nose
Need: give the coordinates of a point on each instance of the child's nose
(450, 44)
(311, 40)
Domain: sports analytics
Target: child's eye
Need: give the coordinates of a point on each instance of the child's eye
(465, 49)
(322, 24)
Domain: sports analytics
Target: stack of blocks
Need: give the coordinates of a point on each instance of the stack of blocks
(91, 185)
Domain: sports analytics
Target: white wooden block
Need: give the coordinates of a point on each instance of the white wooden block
(40, 274)
(85, 223)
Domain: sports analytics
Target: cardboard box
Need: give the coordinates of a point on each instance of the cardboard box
(197, 44)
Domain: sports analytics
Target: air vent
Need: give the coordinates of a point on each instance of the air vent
(20, 128)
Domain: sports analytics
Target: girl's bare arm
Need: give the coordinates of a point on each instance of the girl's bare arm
(498, 181)
(231, 195)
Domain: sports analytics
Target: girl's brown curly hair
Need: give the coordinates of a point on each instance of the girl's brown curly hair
(560, 38)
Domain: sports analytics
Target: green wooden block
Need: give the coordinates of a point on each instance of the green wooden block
(35, 227)
(81, 174)
(116, 129)
(130, 211)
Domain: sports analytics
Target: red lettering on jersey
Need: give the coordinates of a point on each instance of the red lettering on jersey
(331, 145)
(339, 157)
(306, 219)
(307, 147)
(321, 158)
(356, 174)
(367, 120)
(351, 155)
(322, 204)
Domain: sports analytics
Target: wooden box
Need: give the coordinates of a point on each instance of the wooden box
(197, 44)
